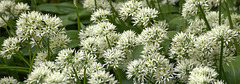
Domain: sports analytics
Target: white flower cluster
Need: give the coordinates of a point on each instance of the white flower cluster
(202, 75)
(10, 47)
(8, 80)
(34, 26)
(182, 46)
(100, 15)
(190, 8)
(154, 65)
(96, 37)
(198, 27)
(10, 9)
(130, 8)
(90, 4)
(136, 11)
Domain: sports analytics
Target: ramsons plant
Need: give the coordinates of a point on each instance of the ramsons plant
(133, 41)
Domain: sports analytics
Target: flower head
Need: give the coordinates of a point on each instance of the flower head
(102, 77)
(202, 75)
(9, 80)
(144, 16)
(114, 57)
(130, 9)
(100, 16)
(10, 47)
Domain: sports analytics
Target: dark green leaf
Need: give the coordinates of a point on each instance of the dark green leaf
(137, 52)
(73, 35)
(232, 71)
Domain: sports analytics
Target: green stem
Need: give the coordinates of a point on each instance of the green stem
(118, 75)
(231, 27)
(148, 3)
(152, 3)
(150, 79)
(22, 58)
(160, 9)
(34, 55)
(229, 15)
(169, 9)
(220, 14)
(220, 63)
(180, 4)
(6, 23)
(236, 45)
(5, 27)
(84, 79)
(78, 17)
(76, 75)
(108, 42)
(204, 17)
(95, 3)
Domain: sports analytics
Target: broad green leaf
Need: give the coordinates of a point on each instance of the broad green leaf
(73, 35)
(137, 52)
(177, 23)
(171, 34)
(173, 9)
(232, 71)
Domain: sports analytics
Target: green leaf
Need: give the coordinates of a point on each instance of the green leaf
(232, 71)
(171, 34)
(73, 35)
(16, 68)
(137, 52)
(173, 8)
(176, 23)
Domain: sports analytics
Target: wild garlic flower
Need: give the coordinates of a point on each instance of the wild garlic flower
(59, 40)
(129, 9)
(113, 57)
(151, 49)
(182, 46)
(127, 41)
(190, 8)
(100, 15)
(152, 35)
(208, 45)
(9, 80)
(64, 57)
(57, 78)
(160, 24)
(90, 4)
(38, 75)
(83, 59)
(102, 77)
(41, 57)
(90, 45)
(136, 70)
(197, 26)
(159, 67)
(144, 16)
(34, 24)
(100, 29)
(2, 22)
(10, 45)
(184, 67)
(218, 82)
(21, 7)
(11, 9)
(200, 75)
(153, 65)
